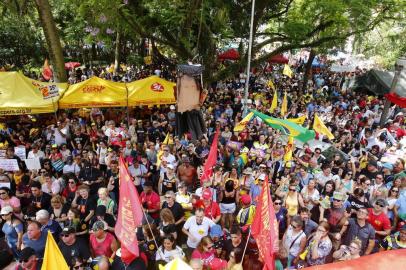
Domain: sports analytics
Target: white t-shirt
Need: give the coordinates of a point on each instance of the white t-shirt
(102, 152)
(59, 139)
(168, 256)
(198, 231)
(39, 154)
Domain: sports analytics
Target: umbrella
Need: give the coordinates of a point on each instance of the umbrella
(72, 65)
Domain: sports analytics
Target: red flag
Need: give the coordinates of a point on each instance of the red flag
(46, 71)
(211, 159)
(129, 211)
(264, 228)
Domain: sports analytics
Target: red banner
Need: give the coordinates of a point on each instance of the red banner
(398, 100)
(264, 228)
(394, 259)
(211, 159)
(129, 211)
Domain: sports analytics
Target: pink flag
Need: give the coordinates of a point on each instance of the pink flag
(264, 227)
(129, 211)
(211, 159)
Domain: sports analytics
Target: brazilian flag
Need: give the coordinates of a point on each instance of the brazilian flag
(288, 128)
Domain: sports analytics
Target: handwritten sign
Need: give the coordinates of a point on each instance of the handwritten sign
(20, 152)
(33, 163)
(9, 165)
(3, 153)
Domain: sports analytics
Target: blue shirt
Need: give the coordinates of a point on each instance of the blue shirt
(11, 233)
(53, 227)
(38, 245)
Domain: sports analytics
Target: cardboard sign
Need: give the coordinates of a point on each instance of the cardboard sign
(20, 152)
(49, 91)
(33, 163)
(3, 153)
(9, 165)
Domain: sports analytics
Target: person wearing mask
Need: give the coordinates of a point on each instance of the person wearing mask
(43, 217)
(359, 228)
(35, 238)
(196, 227)
(13, 230)
(294, 241)
(72, 246)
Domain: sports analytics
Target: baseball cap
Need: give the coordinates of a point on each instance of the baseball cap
(207, 195)
(246, 199)
(373, 163)
(26, 253)
(387, 166)
(68, 230)
(6, 210)
(99, 225)
(216, 231)
(172, 107)
(381, 202)
(170, 166)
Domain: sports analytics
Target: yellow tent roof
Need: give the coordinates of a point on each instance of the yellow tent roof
(151, 91)
(94, 92)
(22, 95)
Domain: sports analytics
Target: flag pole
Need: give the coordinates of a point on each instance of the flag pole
(249, 59)
(153, 237)
(246, 243)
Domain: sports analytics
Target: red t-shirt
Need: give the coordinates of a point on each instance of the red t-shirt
(213, 211)
(379, 222)
(152, 202)
(103, 248)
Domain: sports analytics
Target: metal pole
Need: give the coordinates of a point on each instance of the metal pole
(247, 80)
(387, 105)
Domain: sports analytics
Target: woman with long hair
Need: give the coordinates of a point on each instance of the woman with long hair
(319, 245)
(392, 198)
(7, 199)
(205, 251)
(13, 230)
(73, 220)
(228, 199)
(293, 201)
(236, 259)
(169, 250)
(167, 225)
(58, 209)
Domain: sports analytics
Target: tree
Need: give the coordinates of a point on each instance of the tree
(52, 39)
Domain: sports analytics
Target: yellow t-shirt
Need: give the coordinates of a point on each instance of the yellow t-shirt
(292, 205)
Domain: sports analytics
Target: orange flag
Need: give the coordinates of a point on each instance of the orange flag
(46, 71)
(264, 228)
(129, 211)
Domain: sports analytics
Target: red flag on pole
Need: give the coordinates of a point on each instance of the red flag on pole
(264, 228)
(129, 211)
(46, 71)
(211, 159)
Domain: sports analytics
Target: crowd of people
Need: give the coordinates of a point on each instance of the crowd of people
(330, 206)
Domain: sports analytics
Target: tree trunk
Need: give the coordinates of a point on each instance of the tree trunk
(307, 69)
(52, 39)
(117, 53)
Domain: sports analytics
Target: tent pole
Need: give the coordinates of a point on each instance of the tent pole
(128, 112)
(55, 114)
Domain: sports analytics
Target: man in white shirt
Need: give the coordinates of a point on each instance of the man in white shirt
(61, 133)
(196, 227)
(138, 171)
(35, 152)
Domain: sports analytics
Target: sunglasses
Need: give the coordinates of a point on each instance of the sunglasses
(277, 203)
(209, 247)
(292, 189)
(380, 205)
(25, 260)
(64, 235)
(168, 197)
(394, 190)
(42, 172)
(3, 193)
(71, 182)
(293, 226)
(336, 200)
(77, 266)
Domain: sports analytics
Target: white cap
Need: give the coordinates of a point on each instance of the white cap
(170, 166)
(6, 210)
(172, 107)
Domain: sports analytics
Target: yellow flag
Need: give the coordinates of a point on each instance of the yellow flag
(241, 125)
(287, 71)
(161, 150)
(321, 128)
(175, 264)
(300, 120)
(274, 103)
(284, 107)
(288, 150)
(53, 258)
(271, 85)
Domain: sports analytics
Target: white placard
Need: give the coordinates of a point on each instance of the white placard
(49, 91)
(3, 153)
(33, 163)
(9, 165)
(20, 152)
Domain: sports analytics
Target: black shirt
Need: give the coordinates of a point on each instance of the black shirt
(228, 247)
(38, 203)
(176, 209)
(79, 249)
(85, 206)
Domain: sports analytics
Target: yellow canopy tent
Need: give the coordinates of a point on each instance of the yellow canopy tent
(151, 91)
(22, 95)
(94, 92)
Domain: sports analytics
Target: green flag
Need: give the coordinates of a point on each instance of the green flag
(288, 128)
